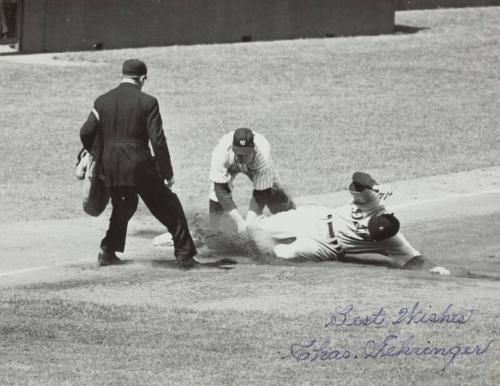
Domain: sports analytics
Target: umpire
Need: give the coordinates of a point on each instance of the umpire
(125, 120)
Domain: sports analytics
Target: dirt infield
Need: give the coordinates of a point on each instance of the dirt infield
(242, 319)
(31, 247)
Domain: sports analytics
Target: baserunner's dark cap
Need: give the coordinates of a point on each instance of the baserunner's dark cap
(134, 68)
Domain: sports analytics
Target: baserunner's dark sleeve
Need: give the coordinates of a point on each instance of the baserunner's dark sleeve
(363, 179)
(224, 196)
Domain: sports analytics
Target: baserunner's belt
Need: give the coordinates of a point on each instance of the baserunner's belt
(332, 239)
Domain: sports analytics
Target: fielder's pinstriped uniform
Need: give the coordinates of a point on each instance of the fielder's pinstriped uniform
(224, 167)
(321, 233)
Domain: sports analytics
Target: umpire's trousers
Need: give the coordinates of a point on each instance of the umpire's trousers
(162, 203)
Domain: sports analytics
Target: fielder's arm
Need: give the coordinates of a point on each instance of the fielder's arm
(225, 198)
(257, 203)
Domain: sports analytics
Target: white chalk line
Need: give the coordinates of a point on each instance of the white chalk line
(42, 267)
(447, 197)
(398, 206)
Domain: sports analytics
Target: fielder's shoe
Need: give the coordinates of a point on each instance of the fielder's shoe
(205, 251)
(106, 257)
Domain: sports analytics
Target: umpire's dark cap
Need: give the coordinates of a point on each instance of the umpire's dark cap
(243, 141)
(383, 226)
(134, 68)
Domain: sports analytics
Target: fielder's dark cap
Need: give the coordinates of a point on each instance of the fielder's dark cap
(243, 141)
(383, 226)
(134, 68)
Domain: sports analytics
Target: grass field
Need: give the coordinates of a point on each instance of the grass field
(402, 107)
(148, 323)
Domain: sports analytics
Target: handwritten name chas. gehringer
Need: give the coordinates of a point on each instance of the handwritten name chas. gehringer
(391, 345)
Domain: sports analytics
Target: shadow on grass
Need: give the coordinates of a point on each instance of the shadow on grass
(146, 234)
(459, 272)
(398, 29)
(378, 261)
(406, 29)
(219, 264)
(465, 273)
(368, 262)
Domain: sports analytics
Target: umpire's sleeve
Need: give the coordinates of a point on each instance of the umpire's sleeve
(89, 130)
(158, 140)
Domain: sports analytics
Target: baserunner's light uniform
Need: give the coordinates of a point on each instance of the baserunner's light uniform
(321, 233)
(363, 226)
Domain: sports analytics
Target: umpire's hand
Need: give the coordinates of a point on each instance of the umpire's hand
(169, 183)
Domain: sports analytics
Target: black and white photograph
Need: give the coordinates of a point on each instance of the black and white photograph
(250, 192)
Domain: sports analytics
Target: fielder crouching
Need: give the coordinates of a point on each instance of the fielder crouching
(247, 152)
(363, 226)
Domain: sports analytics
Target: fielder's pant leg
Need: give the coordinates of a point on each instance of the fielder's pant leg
(124, 201)
(275, 197)
(215, 214)
(279, 200)
(167, 208)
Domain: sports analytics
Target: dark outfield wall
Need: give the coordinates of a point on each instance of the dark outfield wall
(71, 25)
(429, 4)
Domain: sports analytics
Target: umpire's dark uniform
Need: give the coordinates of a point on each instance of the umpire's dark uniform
(124, 120)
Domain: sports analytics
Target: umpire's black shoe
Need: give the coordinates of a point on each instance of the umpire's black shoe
(106, 257)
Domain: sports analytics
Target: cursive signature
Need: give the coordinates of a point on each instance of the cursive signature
(417, 315)
(345, 317)
(406, 315)
(312, 351)
(392, 347)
